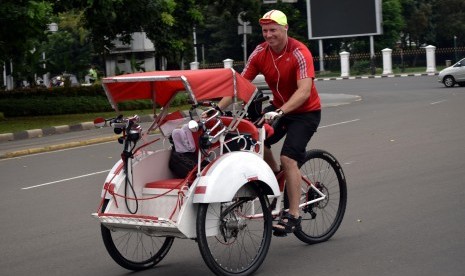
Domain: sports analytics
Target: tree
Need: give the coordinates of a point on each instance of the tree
(418, 28)
(69, 50)
(22, 25)
(449, 21)
(167, 23)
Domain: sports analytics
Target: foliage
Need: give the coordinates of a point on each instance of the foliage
(71, 100)
(69, 49)
(448, 21)
(21, 22)
(87, 26)
(361, 67)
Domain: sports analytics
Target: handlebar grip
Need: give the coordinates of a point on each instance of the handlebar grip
(261, 99)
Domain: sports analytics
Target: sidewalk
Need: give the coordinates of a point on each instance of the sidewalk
(43, 140)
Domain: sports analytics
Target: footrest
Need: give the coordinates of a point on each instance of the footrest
(152, 225)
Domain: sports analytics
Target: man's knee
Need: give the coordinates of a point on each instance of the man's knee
(287, 162)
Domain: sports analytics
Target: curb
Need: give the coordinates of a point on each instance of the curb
(58, 147)
(379, 76)
(36, 133)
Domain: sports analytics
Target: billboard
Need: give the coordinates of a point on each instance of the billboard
(342, 18)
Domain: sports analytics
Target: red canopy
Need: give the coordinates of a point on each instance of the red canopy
(161, 86)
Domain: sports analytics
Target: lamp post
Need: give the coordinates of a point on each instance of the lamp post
(52, 28)
(455, 48)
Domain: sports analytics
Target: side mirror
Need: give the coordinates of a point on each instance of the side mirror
(99, 122)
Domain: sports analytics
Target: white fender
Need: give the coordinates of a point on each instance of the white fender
(221, 180)
(113, 178)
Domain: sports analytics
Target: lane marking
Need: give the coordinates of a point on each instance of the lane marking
(437, 102)
(340, 123)
(63, 180)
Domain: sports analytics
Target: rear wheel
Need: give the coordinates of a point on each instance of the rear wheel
(234, 237)
(449, 81)
(321, 219)
(134, 250)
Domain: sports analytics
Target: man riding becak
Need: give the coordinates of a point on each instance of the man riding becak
(287, 65)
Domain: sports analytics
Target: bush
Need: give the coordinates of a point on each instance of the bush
(361, 67)
(67, 100)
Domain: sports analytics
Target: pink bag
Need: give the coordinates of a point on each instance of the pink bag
(183, 140)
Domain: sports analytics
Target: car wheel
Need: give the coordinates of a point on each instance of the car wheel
(461, 84)
(449, 81)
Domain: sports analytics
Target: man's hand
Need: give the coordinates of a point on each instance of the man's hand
(271, 117)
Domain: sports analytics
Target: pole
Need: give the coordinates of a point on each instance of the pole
(203, 55)
(455, 48)
(372, 55)
(195, 43)
(245, 44)
(320, 45)
(4, 74)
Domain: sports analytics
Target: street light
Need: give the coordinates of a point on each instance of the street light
(52, 28)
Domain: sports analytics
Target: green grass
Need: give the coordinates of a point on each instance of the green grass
(11, 125)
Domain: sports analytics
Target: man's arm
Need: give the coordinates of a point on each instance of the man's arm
(304, 87)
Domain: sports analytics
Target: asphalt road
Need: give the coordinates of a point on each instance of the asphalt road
(401, 146)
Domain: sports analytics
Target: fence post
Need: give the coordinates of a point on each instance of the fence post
(387, 61)
(345, 68)
(194, 65)
(228, 63)
(430, 59)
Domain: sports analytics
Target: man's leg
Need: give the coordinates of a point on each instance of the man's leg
(293, 177)
(269, 159)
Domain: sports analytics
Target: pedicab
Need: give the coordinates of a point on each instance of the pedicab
(200, 175)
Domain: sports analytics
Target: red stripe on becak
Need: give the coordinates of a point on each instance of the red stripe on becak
(200, 189)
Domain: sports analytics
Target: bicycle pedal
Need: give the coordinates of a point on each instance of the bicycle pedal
(279, 234)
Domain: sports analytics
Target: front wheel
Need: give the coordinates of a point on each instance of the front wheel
(449, 81)
(234, 237)
(321, 219)
(134, 250)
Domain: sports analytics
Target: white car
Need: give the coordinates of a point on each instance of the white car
(454, 74)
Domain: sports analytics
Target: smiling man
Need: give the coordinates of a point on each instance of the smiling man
(287, 66)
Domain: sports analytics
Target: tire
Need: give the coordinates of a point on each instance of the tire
(241, 242)
(134, 250)
(449, 81)
(320, 220)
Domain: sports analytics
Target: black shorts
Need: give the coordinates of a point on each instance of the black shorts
(299, 129)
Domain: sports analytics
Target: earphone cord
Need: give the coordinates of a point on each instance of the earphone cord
(276, 67)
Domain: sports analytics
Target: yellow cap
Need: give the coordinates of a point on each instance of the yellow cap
(274, 16)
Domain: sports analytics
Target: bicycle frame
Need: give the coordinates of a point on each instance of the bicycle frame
(278, 208)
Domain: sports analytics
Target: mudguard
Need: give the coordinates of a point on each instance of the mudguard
(113, 178)
(225, 176)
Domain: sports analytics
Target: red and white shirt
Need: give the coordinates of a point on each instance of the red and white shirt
(282, 71)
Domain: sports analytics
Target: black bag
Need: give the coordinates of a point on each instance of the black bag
(182, 163)
(254, 112)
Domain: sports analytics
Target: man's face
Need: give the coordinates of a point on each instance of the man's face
(274, 34)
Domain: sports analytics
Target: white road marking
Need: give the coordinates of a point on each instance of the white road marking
(437, 102)
(63, 180)
(340, 123)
